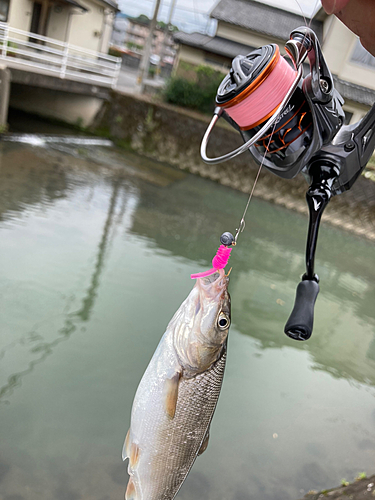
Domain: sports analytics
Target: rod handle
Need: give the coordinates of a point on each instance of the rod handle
(300, 323)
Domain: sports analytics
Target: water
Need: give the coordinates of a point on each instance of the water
(96, 252)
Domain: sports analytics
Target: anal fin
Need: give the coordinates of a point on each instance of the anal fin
(131, 493)
(204, 444)
(171, 394)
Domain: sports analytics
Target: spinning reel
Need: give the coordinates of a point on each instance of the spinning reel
(293, 124)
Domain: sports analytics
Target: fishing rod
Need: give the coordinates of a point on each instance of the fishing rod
(292, 123)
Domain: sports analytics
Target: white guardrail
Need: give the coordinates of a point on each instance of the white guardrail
(40, 54)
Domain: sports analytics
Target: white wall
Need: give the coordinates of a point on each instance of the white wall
(91, 30)
(58, 22)
(338, 47)
(20, 12)
(107, 32)
(237, 34)
(86, 29)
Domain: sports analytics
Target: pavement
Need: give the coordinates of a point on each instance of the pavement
(127, 81)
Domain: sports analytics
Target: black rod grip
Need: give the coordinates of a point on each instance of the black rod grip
(300, 323)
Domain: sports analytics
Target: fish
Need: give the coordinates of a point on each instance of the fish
(178, 393)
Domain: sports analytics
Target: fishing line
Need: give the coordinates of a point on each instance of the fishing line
(242, 221)
(223, 253)
(255, 88)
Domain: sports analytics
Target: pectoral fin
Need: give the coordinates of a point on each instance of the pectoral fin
(126, 447)
(204, 444)
(171, 394)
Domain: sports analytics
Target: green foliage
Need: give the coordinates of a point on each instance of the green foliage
(79, 123)
(344, 482)
(199, 94)
(171, 28)
(361, 475)
(133, 45)
(142, 19)
(10, 45)
(114, 52)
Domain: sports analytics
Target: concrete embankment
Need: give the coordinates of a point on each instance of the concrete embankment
(173, 135)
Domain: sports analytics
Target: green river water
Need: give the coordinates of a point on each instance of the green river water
(96, 250)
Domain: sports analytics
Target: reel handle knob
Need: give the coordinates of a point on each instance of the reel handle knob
(300, 323)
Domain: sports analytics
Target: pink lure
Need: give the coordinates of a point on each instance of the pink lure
(219, 262)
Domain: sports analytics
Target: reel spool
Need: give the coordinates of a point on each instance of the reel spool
(292, 124)
(254, 89)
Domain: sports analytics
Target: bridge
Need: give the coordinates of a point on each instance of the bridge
(40, 61)
(28, 51)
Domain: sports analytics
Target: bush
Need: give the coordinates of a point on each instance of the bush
(199, 94)
(114, 52)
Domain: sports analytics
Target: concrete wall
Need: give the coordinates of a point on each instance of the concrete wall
(169, 134)
(65, 106)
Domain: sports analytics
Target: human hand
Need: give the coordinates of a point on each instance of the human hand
(358, 15)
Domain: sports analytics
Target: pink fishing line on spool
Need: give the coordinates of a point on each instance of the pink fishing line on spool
(252, 107)
(219, 262)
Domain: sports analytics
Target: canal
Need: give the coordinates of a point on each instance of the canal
(97, 247)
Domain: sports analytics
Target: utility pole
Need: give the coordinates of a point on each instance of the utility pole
(166, 34)
(145, 61)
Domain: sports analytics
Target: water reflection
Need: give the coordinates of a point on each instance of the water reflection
(122, 204)
(97, 248)
(269, 254)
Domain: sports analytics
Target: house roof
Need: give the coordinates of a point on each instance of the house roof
(73, 3)
(216, 44)
(262, 18)
(112, 3)
(354, 92)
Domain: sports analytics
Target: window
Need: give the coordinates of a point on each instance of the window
(4, 8)
(361, 56)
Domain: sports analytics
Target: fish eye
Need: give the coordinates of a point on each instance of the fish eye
(223, 321)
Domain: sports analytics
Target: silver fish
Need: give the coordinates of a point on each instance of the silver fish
(177, 396)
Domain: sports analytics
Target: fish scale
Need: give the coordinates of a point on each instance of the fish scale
(199, 396)
(177, 396)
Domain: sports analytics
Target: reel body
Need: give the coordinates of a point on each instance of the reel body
(292, 124)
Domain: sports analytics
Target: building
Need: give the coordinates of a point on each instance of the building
(243, 25)
(137, 33)
(120, 28)
(85, 23)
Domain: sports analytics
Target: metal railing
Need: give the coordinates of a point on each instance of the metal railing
(40, 54)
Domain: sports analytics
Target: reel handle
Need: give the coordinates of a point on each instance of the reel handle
(300, 323)
(323, 174)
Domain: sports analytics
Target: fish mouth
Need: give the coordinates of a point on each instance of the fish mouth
(215, 284)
